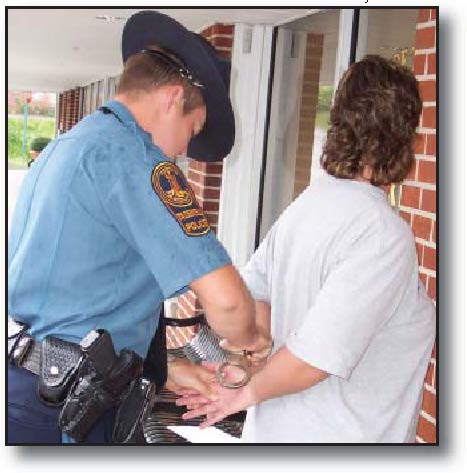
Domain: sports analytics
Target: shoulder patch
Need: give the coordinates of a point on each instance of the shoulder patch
(170, 185)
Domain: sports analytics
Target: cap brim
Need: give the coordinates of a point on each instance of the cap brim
(147, 28)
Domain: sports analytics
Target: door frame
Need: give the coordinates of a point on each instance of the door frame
(244, 171)
(345, 56)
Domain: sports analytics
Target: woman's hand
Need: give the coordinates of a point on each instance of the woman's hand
(221, 404)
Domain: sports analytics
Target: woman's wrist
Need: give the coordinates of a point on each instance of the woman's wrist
(253, 393)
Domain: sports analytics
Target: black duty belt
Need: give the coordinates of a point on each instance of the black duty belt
(84, 379)
(32, 355)
(88, 378)
(25, 352)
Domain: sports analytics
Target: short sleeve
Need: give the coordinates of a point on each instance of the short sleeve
(174, 256)
(359, 295)
(256, 272)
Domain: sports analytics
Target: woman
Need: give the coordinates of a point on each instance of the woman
(338, 277)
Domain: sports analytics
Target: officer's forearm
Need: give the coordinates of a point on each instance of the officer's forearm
(235, 323)
(228, 305)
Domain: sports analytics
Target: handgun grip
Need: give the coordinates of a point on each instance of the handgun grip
(99, 349)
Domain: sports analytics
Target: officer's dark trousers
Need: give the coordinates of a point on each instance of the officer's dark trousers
(31, 421)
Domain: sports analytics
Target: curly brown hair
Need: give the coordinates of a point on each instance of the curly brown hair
(373, 120)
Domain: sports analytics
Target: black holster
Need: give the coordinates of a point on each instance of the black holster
(102, 378)
(133, 411)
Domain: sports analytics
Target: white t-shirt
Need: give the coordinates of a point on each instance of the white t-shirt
(339, 269)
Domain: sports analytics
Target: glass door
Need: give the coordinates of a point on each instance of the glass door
(311, 55)
(302, 91)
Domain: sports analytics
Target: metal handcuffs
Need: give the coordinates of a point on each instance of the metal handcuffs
(241, 360)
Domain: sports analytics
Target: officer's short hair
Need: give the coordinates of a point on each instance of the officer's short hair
(143, 73)
(373, 121)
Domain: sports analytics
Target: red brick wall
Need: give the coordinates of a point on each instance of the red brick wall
(206, 180)
(418, 198)
(68, 109)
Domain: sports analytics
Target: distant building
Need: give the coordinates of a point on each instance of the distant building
(40, 103)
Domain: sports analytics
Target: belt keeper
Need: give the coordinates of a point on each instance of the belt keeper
(21, 348)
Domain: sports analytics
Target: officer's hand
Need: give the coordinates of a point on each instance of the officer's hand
(184, 375)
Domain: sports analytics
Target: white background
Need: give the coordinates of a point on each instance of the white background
(451, 455)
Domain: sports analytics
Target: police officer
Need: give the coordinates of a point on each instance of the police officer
(106, 227)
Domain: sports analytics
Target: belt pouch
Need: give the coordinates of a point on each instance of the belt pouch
(59, 363)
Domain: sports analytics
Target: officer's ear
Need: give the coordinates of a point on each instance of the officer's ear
(174, 98)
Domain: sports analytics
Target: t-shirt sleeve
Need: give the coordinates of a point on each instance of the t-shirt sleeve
(361, 292)
(256, 274)
(175, 252)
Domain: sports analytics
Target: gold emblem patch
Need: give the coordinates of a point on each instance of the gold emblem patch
(170, 185)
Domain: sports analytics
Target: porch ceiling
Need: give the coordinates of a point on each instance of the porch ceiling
(51, 50)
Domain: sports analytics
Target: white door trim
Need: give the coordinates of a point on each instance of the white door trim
(343, 44)
(251, 63)
(284, 124)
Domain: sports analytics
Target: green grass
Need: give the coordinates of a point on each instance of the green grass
(325, 97)
(37, 127)
(322, 120)
(324, 106)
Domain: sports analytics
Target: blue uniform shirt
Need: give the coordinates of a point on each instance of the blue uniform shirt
(92, 245)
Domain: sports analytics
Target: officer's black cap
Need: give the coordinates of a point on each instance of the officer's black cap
(147, 28)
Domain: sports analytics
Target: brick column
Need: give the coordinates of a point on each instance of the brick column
(205, 179)
(418, 198)
(68, 109)
(308, 105)
(61, 113)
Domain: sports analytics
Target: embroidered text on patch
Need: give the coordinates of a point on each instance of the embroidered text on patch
(171, 186)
